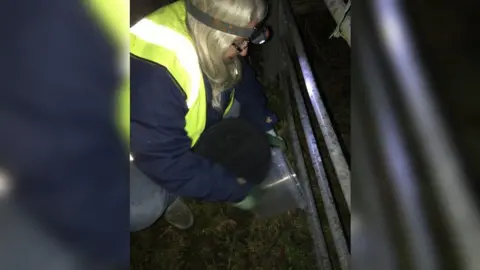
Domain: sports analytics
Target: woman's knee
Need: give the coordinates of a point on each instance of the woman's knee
(144, 214)
(148, 200)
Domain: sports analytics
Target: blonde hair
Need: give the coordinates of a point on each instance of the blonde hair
(211, 44)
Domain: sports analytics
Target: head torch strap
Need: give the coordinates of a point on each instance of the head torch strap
(217, 24)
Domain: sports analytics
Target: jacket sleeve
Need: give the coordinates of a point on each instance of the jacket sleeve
(249, 93)
(160, 145)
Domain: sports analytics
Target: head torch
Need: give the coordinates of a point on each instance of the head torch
(259, 35)
(255, 35)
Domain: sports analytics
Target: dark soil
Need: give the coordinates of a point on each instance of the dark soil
(224, 238)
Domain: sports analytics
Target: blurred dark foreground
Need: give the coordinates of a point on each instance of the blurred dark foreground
(67, 206)
(415, 114)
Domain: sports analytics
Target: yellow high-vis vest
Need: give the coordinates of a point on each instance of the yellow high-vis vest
(113, 17)
(163, 38)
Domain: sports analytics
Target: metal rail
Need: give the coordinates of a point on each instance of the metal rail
(293, 54)
(320, 247)
(414, 208)
(340, 165)
(335, 226)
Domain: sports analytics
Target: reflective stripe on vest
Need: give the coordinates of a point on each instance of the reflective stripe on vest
(162, 37)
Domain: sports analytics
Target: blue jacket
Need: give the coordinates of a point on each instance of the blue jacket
(57, 129)
(160, 144)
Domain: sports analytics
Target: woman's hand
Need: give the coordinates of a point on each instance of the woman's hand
(251, 200)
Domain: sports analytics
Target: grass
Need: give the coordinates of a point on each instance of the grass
(224, 238)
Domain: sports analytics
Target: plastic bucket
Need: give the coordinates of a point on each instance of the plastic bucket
(282, 191)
